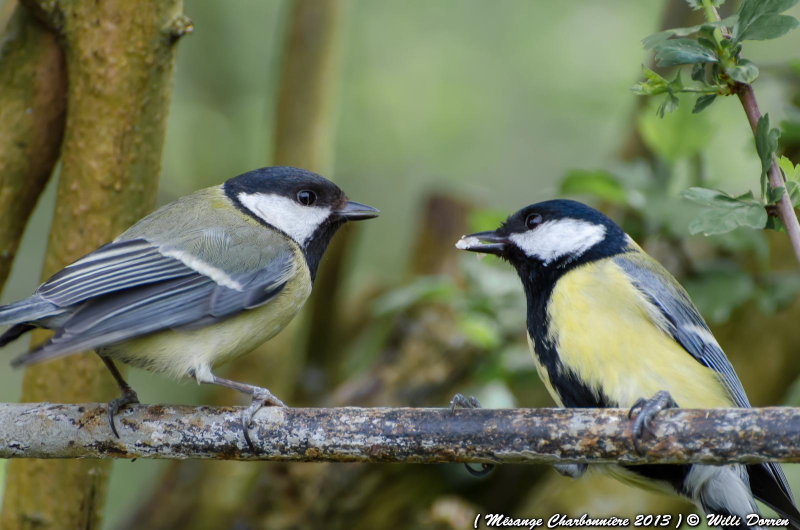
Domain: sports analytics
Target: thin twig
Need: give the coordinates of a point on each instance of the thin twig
(785, 209)
(422, 436)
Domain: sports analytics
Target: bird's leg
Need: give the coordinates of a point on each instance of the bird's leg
(128, 396)
(470, 403)
(646, 410)
(261, 397)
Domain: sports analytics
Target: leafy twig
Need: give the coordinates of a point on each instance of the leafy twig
(714, 51)
(747, 97)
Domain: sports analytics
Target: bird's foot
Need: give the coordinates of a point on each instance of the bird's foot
(646, 410)
(571, 470)
(261, 398)
(459, 401)
(128, 397)
(470, 402)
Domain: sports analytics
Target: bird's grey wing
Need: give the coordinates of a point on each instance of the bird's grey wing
(117, 266)
(681, 318)
(193, 300)
(687, 327)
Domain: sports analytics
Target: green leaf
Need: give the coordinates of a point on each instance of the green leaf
(683, 51)
(601, 184)
(790, 171)
(775, 194)
(703, 102)
(719, 221)
(698, 4)
(651, 41)
(712, 222)
(744, 72)
(793, 188)
(669, 104)
(774, 223)
(655, 39)
(766, 145)
(699, 72)
(707, 43)
(709, 197)
(769, 26)
(676, 85)
(652, 85)
(726, 213)
(750, 23)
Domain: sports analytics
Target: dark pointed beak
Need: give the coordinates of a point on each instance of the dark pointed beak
(483, 242)
(355, 211)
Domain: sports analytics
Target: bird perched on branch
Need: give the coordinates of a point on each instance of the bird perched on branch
(196, 283)
(610, 327)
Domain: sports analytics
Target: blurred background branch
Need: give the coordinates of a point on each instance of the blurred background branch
(417, 436)
(119, 60)
(33, 96)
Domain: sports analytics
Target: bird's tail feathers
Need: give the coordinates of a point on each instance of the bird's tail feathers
(15, 332)
(26, 311)
(45, 352)
(724, 495)
(768, 485)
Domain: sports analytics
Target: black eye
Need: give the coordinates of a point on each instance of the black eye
(306, 197)
(532, 221)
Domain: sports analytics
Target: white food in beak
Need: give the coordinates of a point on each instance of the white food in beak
(466, 243)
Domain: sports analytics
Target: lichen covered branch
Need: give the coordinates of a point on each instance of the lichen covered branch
(419, 436)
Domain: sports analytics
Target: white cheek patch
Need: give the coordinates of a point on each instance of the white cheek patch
(289, 216)
(554, 239)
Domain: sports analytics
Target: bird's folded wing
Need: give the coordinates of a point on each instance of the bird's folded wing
(680, 318)
(683, 322)
(113, 267)
(194, 300)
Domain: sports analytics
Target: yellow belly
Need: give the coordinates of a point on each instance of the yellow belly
(180, 352)
(604, 332)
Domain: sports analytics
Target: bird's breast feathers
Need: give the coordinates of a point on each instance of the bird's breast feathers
(612, 340)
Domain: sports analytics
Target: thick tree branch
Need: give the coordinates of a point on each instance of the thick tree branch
(418, 436)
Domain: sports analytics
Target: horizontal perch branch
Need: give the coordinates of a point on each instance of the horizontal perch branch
(503, 436)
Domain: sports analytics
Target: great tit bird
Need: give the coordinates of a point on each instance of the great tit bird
(608, 326)
(196, 283)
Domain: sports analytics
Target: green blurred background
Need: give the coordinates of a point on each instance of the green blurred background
(491, 103)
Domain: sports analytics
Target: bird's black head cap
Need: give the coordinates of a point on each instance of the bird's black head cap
(304, 206)
(551, 237)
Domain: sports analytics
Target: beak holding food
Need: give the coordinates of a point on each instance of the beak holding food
(484, 243)
(355, 211)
